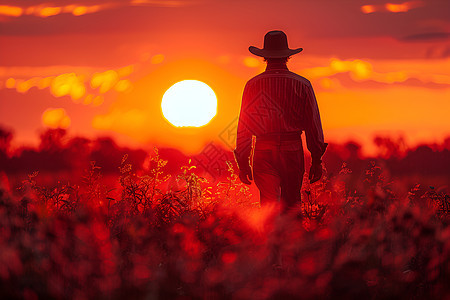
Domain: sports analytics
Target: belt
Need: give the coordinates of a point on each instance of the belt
(284, 136)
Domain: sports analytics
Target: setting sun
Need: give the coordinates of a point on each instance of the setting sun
(189, 103)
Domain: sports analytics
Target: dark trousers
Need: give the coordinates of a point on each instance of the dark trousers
(278, 169)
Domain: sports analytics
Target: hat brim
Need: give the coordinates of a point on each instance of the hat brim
(274, 53)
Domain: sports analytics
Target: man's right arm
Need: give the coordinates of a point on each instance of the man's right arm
(244, 137)
(313, 126)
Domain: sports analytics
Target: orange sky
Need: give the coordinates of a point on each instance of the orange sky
(101, 67)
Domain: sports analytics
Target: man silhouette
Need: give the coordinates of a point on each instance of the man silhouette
(277, 105)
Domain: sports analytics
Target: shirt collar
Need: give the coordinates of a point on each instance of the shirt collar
(276, 66)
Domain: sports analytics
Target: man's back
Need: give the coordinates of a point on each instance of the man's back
(278, 101)
(275, 101)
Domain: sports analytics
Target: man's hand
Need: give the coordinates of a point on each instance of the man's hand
(315, 172)
(245, 176)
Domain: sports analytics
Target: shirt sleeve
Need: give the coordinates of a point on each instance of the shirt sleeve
(313, 126)
(244, 135)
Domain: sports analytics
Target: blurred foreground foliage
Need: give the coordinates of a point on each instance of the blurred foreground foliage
(157, 236)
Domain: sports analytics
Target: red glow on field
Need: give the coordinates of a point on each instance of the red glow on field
(229, 257)
(260, 219)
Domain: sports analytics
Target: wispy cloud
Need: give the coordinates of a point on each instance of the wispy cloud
(387, 72)
(56, 118)
(164, 3)
(430, 36)
(391, 7)
(83, 85)
(47, 10)
(438, 52)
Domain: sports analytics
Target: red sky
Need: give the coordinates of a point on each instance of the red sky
(101, 67)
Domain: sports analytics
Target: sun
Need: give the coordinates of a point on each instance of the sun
(189, 103)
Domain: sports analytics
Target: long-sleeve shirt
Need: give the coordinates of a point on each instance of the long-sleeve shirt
(278, 101)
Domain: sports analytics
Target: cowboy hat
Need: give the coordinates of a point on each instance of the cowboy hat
(275, 46)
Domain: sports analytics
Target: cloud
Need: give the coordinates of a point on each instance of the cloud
(123, 121)
(26, 72)
(307, 20)
(430, 36)
(392, 7)
(163, 3)
(443, 52)
(11, 11)
(82, 85)
(46, 10)
(251, 62)
(358, 69)
(56, 118)
(387, 72)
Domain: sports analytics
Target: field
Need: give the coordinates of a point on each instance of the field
(97, 221)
